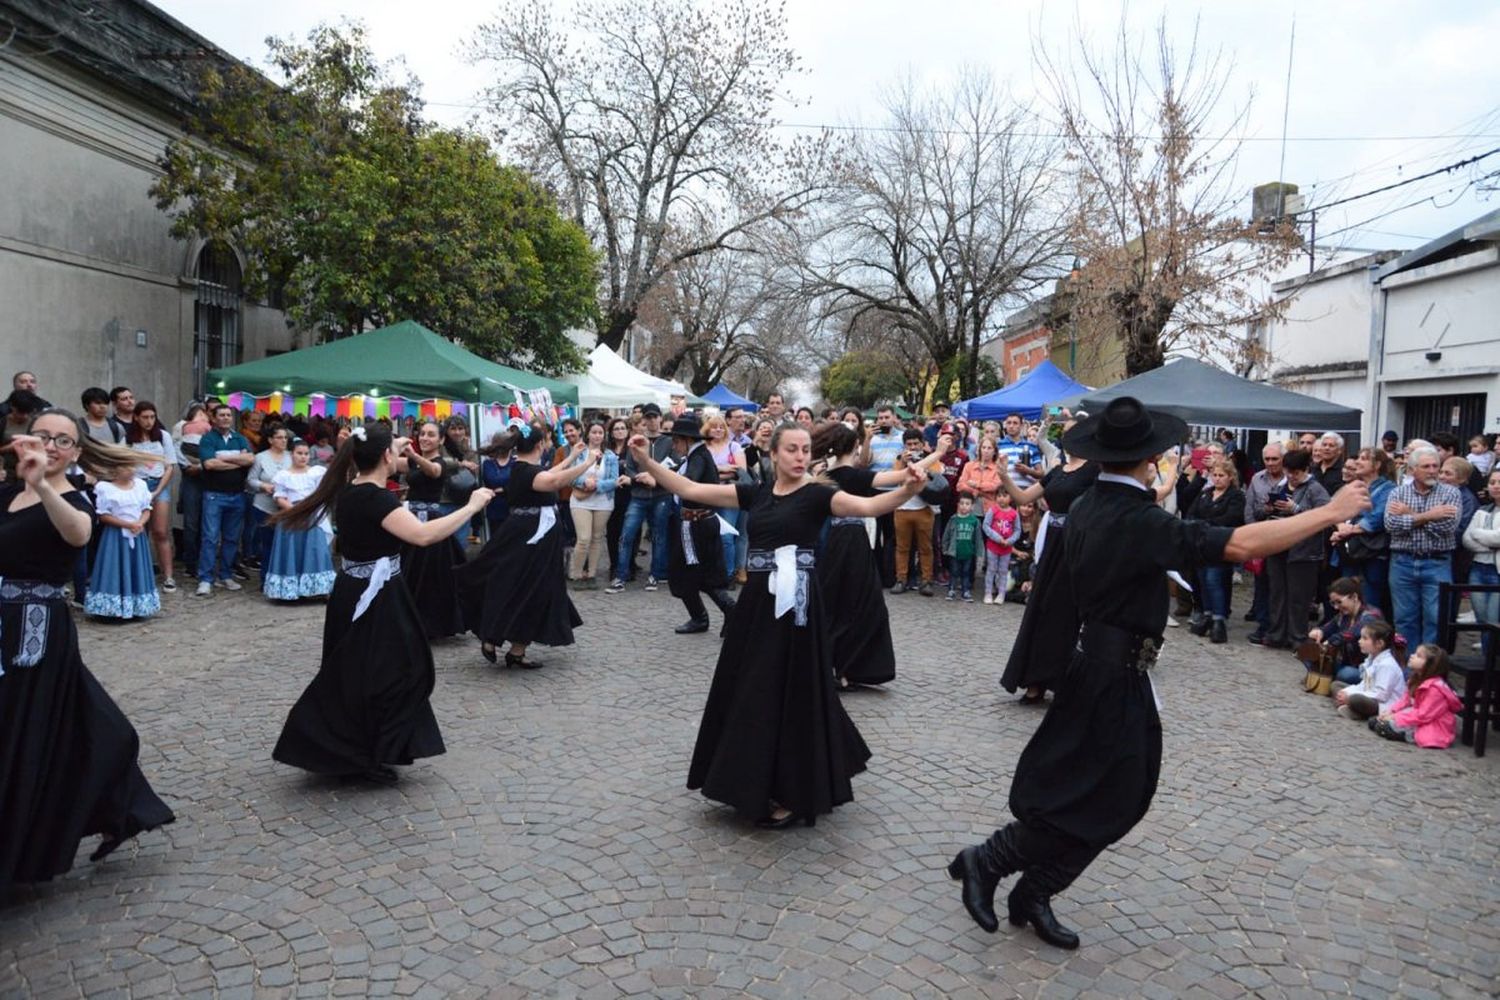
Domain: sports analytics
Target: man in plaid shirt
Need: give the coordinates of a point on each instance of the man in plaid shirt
(1422, 518)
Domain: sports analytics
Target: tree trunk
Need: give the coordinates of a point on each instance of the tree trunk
(618, 322)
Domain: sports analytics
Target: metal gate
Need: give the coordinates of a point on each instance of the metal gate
(1461, 415)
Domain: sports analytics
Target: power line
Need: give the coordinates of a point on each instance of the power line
(1398, 184)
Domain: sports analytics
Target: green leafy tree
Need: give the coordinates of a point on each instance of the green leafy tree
(361, 213)
(862, 378)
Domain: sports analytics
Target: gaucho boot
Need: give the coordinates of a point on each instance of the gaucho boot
(981, 868)
(1029, 904)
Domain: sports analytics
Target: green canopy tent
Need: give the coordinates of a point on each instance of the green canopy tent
(405, 359)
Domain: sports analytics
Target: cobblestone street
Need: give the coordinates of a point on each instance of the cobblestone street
(555, 852)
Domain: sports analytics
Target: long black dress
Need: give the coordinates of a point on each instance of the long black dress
(68, 755)
(428, 569)
(368, 704)
(1049, 626)
(859, 626)
(516, 590)
(773, 728)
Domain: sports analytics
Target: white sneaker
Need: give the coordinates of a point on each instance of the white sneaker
(989, 598)
(231, 584)
(169, 585)
(205, 588)
(1173, 622)
(1467, 618)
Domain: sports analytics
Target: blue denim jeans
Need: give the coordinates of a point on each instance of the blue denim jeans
(223, 521)
(960, 575)
(659, 510)
(1414, 591)
(1214, 584)
(1347, 675)
(1486, 606)
(1261, 605)
(730, 543)
(190, 497)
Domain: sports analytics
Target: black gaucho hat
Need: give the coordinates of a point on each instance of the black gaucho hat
(686, 426)
(1125, 432)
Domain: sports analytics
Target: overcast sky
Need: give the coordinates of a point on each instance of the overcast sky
(1381, 90)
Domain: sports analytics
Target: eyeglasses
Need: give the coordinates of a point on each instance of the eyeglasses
(62, 441)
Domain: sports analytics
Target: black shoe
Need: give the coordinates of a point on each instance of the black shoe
(1200, 624)
(512, 660)
(899, 588)
(979, 887)
(239, 573)
(1250, 616)
(1257, 638)
(381, 775)
(1218, 632)
(790, 819)
(926, 589)
(692, 626)
(488, 652)
(1038, 913)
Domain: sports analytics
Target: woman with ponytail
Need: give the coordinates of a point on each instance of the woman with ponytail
(859, 627)
(68, 755)
(515, 590)
(367, 707)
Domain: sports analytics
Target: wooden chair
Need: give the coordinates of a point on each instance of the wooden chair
(1481, 710)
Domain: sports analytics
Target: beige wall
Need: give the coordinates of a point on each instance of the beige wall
(86, 260)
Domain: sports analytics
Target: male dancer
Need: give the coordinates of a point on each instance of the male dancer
(1089, 772)
(696, 556)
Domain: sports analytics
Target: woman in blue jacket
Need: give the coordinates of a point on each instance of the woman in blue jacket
(1368, 556)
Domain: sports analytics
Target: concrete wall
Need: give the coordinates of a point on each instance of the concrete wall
(1451, 309)
(86, 260)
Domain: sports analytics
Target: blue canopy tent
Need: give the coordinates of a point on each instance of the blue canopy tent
(723, 397)
(1046, 384)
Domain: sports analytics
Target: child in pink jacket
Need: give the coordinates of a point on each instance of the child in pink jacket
(1427, 714)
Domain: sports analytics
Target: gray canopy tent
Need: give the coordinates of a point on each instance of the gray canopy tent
(1203, 394)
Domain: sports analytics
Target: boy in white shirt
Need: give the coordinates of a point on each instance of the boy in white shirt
(1381, 680)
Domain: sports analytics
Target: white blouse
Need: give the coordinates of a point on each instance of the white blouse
(126, 504)
(163, 449)
(295, 487)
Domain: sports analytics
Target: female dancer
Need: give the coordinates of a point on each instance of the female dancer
(367, 707)
(428, 569)
(146, 434)
(774, 742)
(68, 756)
(859, 629)
(515, 590)
(301, 563)
(1049, 627)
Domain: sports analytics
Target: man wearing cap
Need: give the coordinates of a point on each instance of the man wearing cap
(695, 555)
(647, 502)
(1090, 770)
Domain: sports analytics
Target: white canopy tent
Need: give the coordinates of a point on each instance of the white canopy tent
(613, 383)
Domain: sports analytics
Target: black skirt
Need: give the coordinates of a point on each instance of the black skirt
(368, 704)
(428, 574)
(859, 626)
(773, 727)
(685, 580)
(68, 757)
(1092, 766)
(515, 592)
(1045, 642)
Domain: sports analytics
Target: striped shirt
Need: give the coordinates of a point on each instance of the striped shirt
(1431, 538)
(1021, 452)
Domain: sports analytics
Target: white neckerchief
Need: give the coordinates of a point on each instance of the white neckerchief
(1113, 477)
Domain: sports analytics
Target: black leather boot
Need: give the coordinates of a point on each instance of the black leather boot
(1218, 632)
(692, 626)
(1025, 908)
(1200, 623)
(970, 868)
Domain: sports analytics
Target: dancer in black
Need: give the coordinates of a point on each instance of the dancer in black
(68, 755)
(774, 741)
(859, 626)
(1049, 626)
(516, 589)
(428, 569)
(1089, 772)
(695, 555)
(367, 707)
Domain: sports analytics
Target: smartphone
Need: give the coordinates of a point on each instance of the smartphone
(1054, 411)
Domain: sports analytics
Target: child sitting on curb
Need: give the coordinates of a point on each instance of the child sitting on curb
(1427, 714)
(1381, 683)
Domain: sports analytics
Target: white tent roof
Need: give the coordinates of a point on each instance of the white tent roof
(612, 383)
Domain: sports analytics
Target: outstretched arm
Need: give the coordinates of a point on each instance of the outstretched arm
(1030, 494)
(1265, 538)
(708, 494)
(849, 505)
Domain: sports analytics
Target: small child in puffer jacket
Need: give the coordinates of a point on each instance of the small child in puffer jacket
(1427, 714)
